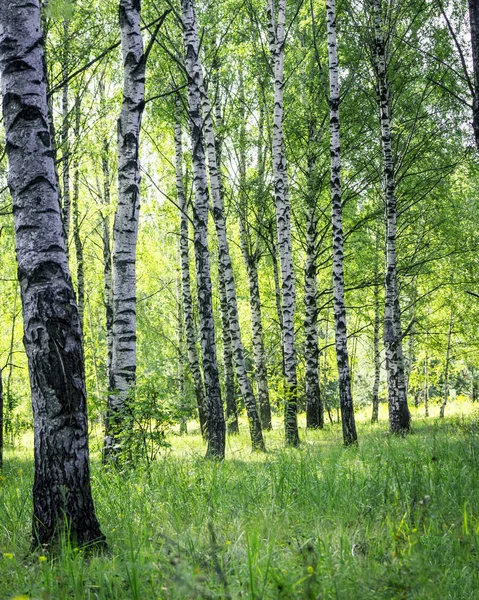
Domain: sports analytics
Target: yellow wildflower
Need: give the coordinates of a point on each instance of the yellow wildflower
(310, 569)
(7, 555)
(42, 558)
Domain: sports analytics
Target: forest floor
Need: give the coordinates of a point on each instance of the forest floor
(392, 518)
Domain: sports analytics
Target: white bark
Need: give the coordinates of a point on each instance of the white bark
(399, 417)
(283, 222)
(125, 228)
(227, 274)
(215, 415)
(62, 500)
(251, 255)
(344, 374)
(185, 279)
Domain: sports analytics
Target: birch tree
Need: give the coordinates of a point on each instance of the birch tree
(399, 417)
(62, 500)
(214, 405)
(225, 265)
(277, 38)
(125, 227)
(190, 333)
(340, 329)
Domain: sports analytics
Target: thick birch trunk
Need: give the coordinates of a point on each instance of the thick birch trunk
(125, 227)
(190, 333)
(345, 396)
(399, 417)
(283, 223)
(62, 498)
(226, 272)
(214, 411)
(446, 366)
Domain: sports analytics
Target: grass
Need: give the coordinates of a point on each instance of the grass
(392, 518)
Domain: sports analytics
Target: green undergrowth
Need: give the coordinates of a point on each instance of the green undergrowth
(391, 518)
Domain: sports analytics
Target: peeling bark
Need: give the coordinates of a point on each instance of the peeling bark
(215, 415)
(62, 500)
(342, 358)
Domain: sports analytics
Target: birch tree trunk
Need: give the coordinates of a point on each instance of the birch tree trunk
(447, 366)
(344, 374)
(107, 262)
(214, 410)
(185, 280)
(232, 425)
(226, 271)
(125, 227)
(180, 357)
(376, 330)
(65, 136)
(474, 22)
(283, 222)
(76, 222)
(251, 257)
(377, 355)
(399, 417)
(62, 500)
(228, 360)
(314, 405)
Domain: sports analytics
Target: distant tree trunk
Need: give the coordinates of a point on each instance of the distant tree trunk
(107, 263)
(125, 227)
(215, 415)
(65, 135)
(226, 269)
(190, 332)
(251, 257)
(180, 358)
(283, 222)
(377, 356)
(314, 405)
(399, 417)
(474, 21)
(426, 384)
(76, 221)
(447, 365)
(345, 397)
(62, 500)
(377, 326)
